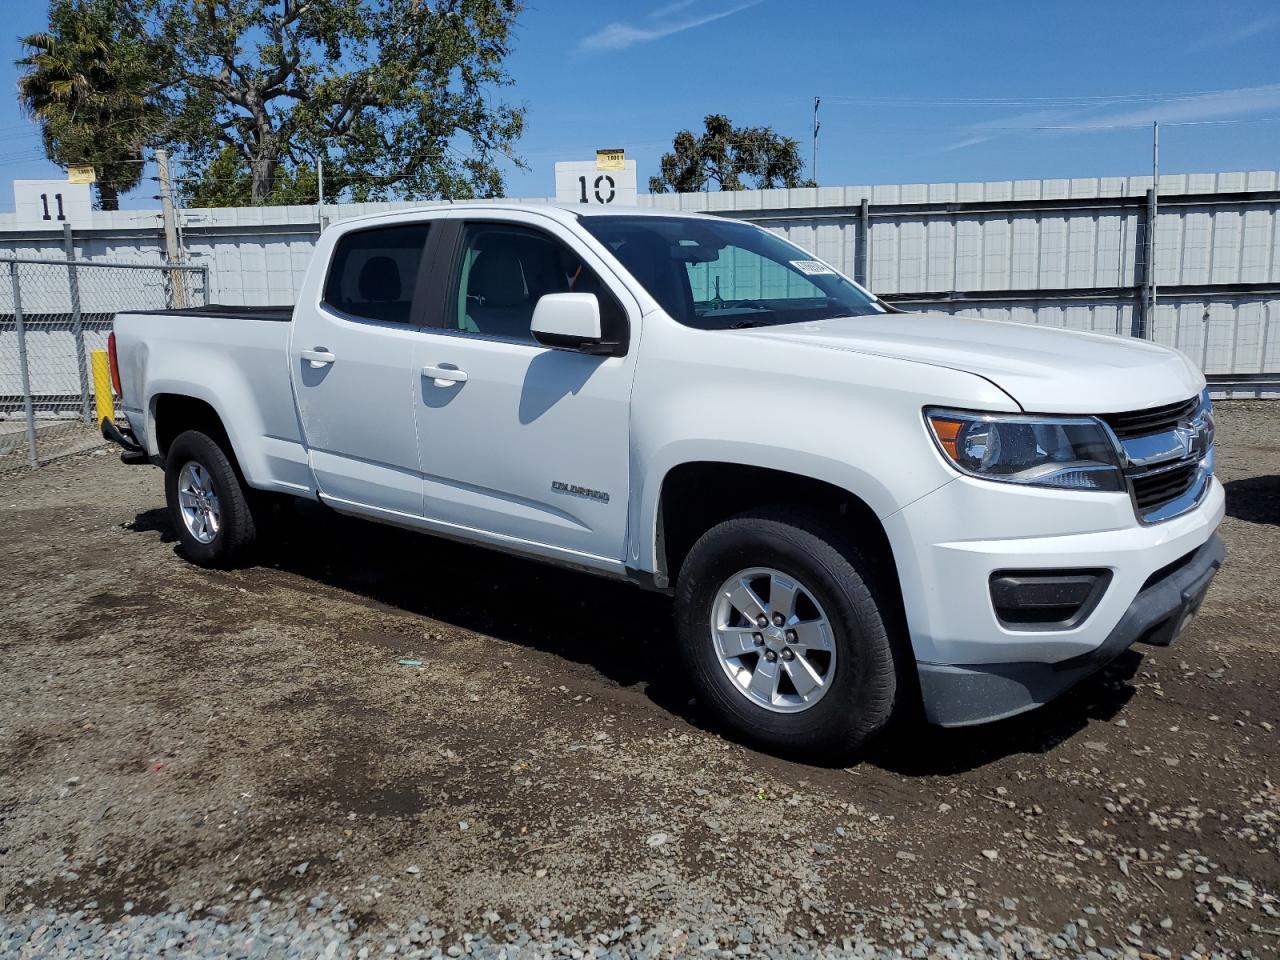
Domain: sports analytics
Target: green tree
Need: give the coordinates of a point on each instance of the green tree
(227, 181)
(91, 84)
(724, 154)
(397, 94)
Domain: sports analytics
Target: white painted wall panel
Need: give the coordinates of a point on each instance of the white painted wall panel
(997, 250)
(970, 257)
(1026, 253)
(1255, 257)
(940, 247)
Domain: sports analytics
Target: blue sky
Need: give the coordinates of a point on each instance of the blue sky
(911, 91)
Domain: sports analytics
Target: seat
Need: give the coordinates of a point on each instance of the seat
(379, 286)
(649, 260)
(498, 304)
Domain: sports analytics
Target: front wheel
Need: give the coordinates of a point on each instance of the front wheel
(207, 501)
(783, 634)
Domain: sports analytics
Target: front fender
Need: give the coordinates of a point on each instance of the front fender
(854, 421)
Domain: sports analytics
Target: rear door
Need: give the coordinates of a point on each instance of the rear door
(519, 441)
(353, 371)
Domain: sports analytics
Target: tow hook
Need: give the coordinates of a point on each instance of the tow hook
(132, 452)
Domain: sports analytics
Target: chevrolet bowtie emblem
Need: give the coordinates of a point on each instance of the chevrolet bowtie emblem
(1194, 437)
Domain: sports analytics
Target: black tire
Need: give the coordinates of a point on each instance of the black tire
(861, 698)
(236, 531)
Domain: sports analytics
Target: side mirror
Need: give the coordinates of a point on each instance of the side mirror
(569, 321)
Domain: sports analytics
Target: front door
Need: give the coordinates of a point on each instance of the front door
(353, 372)
(521, 442)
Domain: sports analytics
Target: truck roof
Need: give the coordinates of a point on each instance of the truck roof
(565, 212)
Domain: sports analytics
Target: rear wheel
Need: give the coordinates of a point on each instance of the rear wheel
(207, 501)
(783, 634)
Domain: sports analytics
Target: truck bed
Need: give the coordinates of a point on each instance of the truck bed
(227, 311)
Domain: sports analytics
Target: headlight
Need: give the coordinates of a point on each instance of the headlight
(1073, 453)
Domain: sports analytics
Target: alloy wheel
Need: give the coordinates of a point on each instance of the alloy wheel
(773, 640)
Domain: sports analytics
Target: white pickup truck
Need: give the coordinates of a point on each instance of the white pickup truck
(856, 509)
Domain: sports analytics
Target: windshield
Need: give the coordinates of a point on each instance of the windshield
(721, 274)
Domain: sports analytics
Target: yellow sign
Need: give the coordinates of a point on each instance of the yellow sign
(81, 174)
(611, 159)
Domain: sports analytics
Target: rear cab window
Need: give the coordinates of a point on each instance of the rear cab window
(373, 273)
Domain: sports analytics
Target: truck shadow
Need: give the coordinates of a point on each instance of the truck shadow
(1254, 499)
(915, 748)
(613, 629)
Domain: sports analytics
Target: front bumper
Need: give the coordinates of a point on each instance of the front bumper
(973, 667)
(960, 695)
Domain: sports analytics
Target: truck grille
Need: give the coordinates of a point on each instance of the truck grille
(1139, 423)
(1169, 454)
(1154, 490)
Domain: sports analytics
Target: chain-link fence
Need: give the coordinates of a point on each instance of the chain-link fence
(53, 315)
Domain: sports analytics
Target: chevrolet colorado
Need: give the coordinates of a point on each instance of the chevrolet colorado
(853, 507)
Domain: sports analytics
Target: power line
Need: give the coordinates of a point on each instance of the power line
(15, 160)
(1065, 99)
(1086, 127)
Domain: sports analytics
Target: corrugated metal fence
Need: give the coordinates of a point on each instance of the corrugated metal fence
(1066, 253)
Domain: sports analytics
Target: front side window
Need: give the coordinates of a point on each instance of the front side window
(718, 275)
(505, 269)
(373, 272)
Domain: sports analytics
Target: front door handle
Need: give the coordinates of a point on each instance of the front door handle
(318, 357)
(445, 376)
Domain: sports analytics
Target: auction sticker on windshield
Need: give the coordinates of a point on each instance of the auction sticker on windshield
(812, 268)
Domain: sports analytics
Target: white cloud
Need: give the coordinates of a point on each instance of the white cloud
(674, 7)
(990, 129)
(1232, 36)
(966, 142)
(1218, 105)
(662, 22)
(1174, 109)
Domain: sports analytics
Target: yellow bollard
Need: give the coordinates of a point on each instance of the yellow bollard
(102, 386)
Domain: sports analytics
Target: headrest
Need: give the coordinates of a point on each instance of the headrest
(497, 278)
(380, 279)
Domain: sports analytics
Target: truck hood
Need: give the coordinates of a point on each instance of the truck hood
(1045, 369)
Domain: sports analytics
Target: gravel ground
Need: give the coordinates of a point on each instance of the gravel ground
(254, 763)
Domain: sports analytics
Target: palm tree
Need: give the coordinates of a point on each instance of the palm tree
(90, 84)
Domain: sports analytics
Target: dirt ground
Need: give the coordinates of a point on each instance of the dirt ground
(172, 737)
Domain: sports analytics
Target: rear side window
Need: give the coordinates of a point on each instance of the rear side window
(373, 272)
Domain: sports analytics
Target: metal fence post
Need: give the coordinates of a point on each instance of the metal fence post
(77, 321)
(22, 364)
(1142, 271)
(864, 217)
(1149, 312)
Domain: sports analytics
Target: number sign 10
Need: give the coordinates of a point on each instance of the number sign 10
(604, 189)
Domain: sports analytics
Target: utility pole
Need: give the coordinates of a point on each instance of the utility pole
(816, 127)
(77, 320)
(320, 189)
(172, 252)
(1155, 209)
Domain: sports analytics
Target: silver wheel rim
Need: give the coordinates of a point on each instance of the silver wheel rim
(201, 513)
(773, 640)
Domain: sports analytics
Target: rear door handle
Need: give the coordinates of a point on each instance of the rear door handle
(445, 376)
(318, 357)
